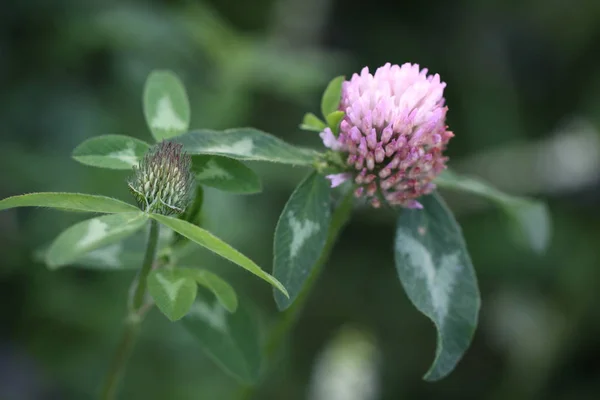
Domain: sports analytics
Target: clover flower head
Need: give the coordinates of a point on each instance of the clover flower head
(393, 134)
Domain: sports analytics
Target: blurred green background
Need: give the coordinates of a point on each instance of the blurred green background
(524, 97)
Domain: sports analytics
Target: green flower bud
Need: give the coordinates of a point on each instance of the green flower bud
(163, 182)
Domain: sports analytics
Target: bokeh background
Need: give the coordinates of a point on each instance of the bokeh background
(524, 97)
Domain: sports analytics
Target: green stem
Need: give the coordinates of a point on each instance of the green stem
(133, 321)
(140, 290)
(193, 214)
(280, 330)
(117, 366)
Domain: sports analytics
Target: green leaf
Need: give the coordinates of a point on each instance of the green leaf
(166, 105)
(531, 217)
(245, 144)
(126, 254)
(111, 151)
(93, 234)
(533, 223)
(206, 239)
(437, 274)
(221, 289)
(232, 341)
(334, 119)
(68, 202)
(300, 236)
(225, 174)
(311, 122)
(330, 101)
(173, 291)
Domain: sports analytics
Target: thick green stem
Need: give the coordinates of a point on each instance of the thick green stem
(193, 215)
(134, 320)
(140, 290)
(280, 330)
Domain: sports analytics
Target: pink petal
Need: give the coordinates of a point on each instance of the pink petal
(338, 179)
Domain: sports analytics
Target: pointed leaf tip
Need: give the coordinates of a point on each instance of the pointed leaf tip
(330, 101)
(219, 287)
(436, 272)
(68, 202)
(333, 120)
(206, 239)
(311, 122)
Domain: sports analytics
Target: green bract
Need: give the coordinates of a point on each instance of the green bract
(330, 101)
(330, 109)
(311, 122)
(334, 119)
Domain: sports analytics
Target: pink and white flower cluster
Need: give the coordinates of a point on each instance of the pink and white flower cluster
(393, 134)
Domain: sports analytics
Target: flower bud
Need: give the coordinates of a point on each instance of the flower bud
(163, 182)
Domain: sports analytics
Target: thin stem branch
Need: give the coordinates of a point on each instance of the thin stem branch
(133, 321)
(121, 356)
(140, 291)
(280, 330)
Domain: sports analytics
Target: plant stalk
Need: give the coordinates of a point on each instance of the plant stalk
(133, 321)
(280, 330)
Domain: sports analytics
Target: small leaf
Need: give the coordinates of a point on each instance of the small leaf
(166, 105)
(330, 101)
(93, 234)
(300, 236)
(231, 340)
(436, 272)
(68, 202)
(334, 119)
(221, 289)
(173, 291)
(531, 217)
(225, 174)
(126, 254)
(111, 151)
(245, 144)
(206, 239)
(311, 122)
